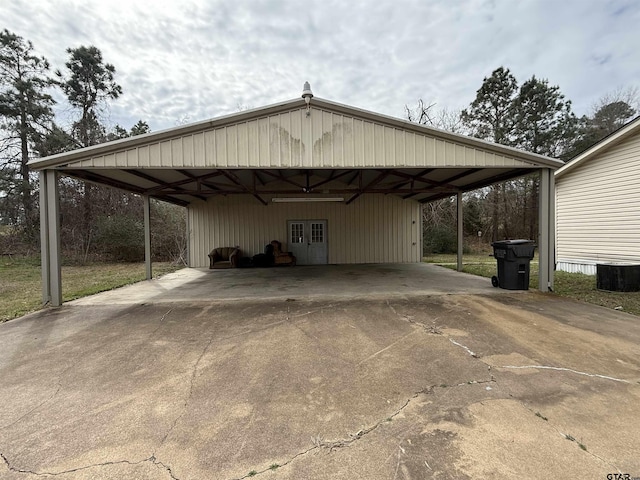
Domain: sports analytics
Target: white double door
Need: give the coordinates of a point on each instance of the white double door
(308, 241)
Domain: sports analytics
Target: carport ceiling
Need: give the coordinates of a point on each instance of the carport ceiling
(294, 149)
(182, 186)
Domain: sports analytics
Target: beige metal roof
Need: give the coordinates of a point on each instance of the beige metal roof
(286, 149)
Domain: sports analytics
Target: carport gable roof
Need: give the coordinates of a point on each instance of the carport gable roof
(288, 148)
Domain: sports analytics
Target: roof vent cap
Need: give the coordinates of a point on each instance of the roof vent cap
(307, 94)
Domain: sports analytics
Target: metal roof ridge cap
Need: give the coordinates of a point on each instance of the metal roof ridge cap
(607, 142)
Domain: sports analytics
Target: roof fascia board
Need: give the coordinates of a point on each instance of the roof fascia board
(606, 143)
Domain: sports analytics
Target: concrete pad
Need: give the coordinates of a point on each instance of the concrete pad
(300, 282)
(411, 386)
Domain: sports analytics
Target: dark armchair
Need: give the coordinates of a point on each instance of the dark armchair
(280, 257)
(224, 257)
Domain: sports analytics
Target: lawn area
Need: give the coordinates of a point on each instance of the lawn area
(20, 281)
(573, 285)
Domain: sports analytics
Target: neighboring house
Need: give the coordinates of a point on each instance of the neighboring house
(598, 204)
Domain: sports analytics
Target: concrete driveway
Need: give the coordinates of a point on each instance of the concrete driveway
(404, 386)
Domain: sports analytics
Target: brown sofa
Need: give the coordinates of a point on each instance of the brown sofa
(224, 257)
(280, 257)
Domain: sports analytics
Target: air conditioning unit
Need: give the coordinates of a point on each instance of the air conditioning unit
(618, 277)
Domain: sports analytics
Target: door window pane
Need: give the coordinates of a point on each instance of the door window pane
(317, 233)
(297, 232)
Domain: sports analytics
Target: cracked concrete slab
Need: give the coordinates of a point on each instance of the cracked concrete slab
(332, 388)
(147, 469)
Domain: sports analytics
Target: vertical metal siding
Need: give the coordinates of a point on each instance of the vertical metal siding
(143, 156)
(598, 208)
(252, 143)
(242, 145)
(220, 139)
(198, 149)
(209, 147)
(322, 140)
(373, 229)
(121, 159)
(410, 148)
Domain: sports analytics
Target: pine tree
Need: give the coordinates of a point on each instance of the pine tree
(606, 119)
(89, 85)
(491, 115)
(25, 113)
(544, 122)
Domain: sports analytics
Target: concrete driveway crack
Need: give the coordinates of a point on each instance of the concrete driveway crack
(192, 382)
(568, 437)
(432, 329)
(548, 367)
(437, 330)
(320, 444)
(160, 323)
(25, 415)
(469, 351)
(563, 369)
(44, 402)
(157, 462)
(464, 347)
(72, 470)
(166, 314)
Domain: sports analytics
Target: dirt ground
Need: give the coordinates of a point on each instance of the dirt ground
(517, 385)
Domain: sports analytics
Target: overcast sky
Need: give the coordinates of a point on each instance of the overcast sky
(189, 60)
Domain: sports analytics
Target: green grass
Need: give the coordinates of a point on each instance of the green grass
(481, 265)
(21, 283)
(572, 285)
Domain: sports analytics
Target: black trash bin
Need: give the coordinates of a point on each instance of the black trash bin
(514, 257)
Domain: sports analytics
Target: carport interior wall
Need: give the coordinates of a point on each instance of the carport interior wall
(375, 229)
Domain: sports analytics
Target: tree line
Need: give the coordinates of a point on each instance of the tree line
(97, 222)
(534, 116)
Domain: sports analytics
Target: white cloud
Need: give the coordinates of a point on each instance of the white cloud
(200, 59)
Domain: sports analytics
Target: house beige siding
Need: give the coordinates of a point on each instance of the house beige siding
(373, 229)
(324, 139)
(598, 210)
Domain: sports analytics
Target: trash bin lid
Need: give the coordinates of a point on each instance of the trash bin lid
(501, 243)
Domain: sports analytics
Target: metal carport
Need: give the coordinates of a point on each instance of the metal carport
(315, 150)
